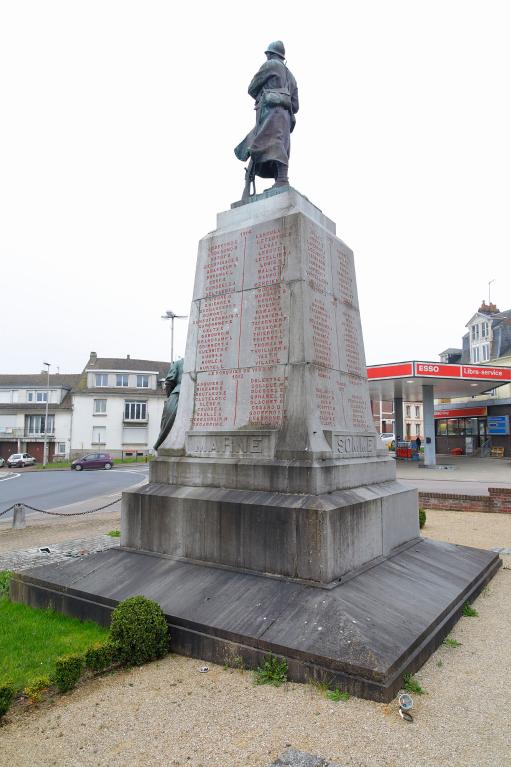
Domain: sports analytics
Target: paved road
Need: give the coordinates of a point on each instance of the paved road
(49, 490)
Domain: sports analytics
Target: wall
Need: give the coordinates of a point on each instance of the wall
(498, 500)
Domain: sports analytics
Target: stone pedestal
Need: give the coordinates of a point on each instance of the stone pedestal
(273, 464)
(273, 521)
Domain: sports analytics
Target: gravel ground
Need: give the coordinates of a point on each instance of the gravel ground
(167, 713)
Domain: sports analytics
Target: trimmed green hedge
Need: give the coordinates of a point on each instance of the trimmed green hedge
(68, 670)
(139, 631)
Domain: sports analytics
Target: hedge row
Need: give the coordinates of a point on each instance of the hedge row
(138, 634)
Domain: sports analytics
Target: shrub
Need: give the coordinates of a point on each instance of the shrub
(139, 631)
(273, 671)
(5, 578)
(68, 670)
(36, 686)
(100, 656)
(7, 693)
(422, 518)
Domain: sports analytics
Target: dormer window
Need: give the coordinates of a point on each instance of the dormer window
(121, 379)
(101, 379)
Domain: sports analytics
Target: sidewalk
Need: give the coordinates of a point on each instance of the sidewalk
(46, 531)
(494, 472)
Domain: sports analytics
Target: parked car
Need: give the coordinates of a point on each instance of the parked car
(17, 460)
(93, 461)
(388, 439)
(2, 462)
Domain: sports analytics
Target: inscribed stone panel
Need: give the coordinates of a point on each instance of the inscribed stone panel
(321, 345)
(214, 401)
(219, 265)
(317, 258)
(356, 403)
(218, 332)
(343, 273)
(270, 253)
(351, 345)
(264, 325)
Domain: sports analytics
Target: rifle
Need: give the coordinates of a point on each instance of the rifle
(249, 182)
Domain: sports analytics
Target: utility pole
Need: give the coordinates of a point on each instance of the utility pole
(169, 315)
(45, 450)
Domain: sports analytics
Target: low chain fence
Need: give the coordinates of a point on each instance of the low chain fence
(20, 506)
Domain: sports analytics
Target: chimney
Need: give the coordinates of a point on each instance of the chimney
(488, 308)
(127, 356)
(93, 359)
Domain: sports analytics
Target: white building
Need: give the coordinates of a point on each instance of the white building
(117, 406)
(114, 405)
(23, 413)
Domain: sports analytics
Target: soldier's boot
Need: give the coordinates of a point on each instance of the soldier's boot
(281, 178)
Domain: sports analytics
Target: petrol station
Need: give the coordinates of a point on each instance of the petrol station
(425, 382)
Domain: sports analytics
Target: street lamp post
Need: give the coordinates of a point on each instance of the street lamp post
(169, 315)
(45, 449)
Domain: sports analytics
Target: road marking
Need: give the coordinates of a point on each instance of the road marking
(12, 476)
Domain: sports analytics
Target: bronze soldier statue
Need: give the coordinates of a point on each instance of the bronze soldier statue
(276, 103)
(172, 389)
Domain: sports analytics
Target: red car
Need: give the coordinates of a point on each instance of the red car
(93, 461)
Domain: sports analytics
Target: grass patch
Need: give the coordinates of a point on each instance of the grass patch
(336, 695)
(449, 642)
(469, 611)
(31, 640)
(273, 671)
(411, 684)
(114, 533)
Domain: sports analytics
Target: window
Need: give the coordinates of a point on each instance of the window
(143, 382)
(408, 411)
(484, 329)
(61, 447)
(475, 332)
(99, 435)
(486, 352)
(135, 411)
(121, 379)
(417, 411)
(34, 424)
(417, 429)
(101, 379)
(441, 427)
(475, 354)
(37, 396)
(99, 406)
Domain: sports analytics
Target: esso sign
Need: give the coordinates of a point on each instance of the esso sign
(441, 370)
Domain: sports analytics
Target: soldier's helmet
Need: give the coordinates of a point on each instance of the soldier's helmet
(277, 47)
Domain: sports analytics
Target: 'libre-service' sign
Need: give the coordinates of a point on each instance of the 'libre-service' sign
(439, 370)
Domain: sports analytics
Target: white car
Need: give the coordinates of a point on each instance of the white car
(387, 438)
(2, 462)
(20, 459)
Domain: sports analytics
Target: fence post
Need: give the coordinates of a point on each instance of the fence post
(19, 521)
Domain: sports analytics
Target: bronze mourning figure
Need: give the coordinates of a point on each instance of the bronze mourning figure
(267, 145)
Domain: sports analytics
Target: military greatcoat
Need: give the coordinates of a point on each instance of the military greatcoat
(269, 141)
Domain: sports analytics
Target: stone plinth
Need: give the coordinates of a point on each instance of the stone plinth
(273, 522)
(273, 464)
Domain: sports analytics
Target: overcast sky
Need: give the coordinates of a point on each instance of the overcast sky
(118, 122)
